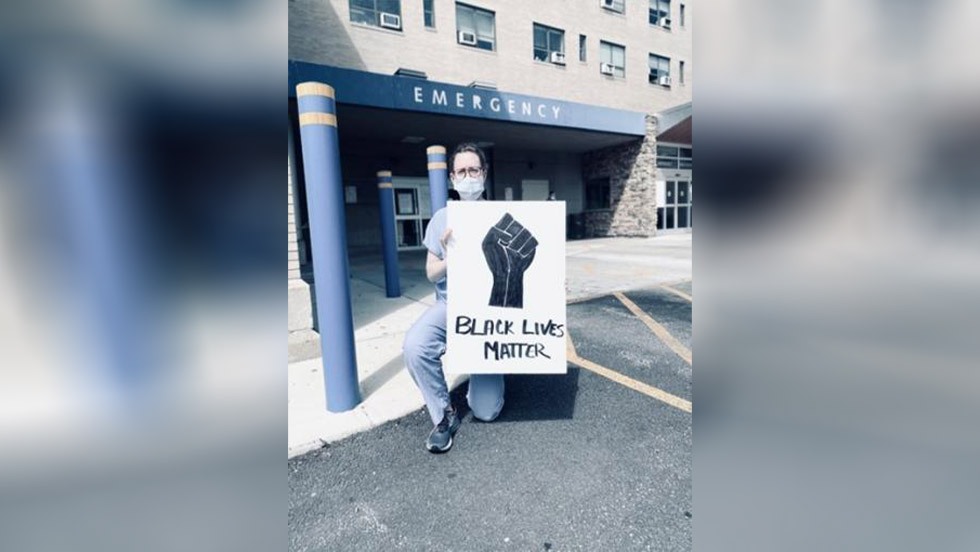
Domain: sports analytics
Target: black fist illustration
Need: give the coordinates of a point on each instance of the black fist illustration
(509, 249)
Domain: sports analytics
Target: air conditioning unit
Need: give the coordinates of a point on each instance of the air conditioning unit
(467, 38)
(558, 57)
(664, 80)
(665, 22)
(391, 20)
(605, 69)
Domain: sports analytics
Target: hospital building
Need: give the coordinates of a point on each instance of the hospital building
(589, 99)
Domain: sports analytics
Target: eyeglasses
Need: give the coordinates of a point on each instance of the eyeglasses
(471, 171)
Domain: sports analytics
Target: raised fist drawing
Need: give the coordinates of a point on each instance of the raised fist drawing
(509, 249)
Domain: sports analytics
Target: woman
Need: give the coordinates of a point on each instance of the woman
(425, 342)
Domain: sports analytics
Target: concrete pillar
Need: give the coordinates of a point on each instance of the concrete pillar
(328, 237)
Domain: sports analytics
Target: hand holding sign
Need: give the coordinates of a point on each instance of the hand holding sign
(509, 250)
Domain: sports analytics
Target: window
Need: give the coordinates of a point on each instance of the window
(683, 10)
(660, 13)
(429, 13)
(612, 56)
(377, 13)
(674, 157)
(686, 160)
(659, 70)
(680, 73)
(546, 41)
(581, 47)
(406, 201)
(618, 6)
(597, 193)
(475, 27)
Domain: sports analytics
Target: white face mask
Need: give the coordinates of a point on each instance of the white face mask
(470, 188)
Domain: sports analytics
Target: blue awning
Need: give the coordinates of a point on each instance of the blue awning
(412, 94)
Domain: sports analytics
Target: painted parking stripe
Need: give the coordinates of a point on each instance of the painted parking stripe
(648, 390)
(658, 330)
(679, 293)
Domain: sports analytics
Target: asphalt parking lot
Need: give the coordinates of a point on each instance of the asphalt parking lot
(595, 459)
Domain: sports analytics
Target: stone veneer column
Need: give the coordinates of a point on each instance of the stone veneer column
(631, 169)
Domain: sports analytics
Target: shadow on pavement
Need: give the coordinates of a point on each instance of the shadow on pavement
(368, 300)
(534, 397)
(382, 376)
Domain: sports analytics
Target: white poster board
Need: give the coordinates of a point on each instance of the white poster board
(506, 288)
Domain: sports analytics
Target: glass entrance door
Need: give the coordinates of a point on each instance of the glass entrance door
(407, 229)
(676, 212)
(412, 211)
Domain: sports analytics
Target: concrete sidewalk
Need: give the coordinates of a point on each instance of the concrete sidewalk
(594, 267)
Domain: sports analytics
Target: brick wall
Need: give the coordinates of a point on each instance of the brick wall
(293, 247)
(320, 31)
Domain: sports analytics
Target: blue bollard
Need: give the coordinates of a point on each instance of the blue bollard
(386, 196)
(328, 237)
(438, 176)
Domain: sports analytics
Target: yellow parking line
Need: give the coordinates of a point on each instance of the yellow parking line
(633, 384)
(648, 390)
(656, 328)
(679, 293)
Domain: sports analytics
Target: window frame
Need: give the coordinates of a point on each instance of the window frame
(583, 48)
(351, 9)
(620, 3)
(549, 33)
(474, 11)
(650, 69)
(656, 6)
(429, 11)
(611, 47)
(681, 159)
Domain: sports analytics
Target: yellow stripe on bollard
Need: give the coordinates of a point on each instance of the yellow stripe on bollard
(317, 118)
(314, 89)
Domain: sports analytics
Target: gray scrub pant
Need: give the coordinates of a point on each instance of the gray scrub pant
(425, 343)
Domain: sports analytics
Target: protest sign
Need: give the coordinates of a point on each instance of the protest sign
(506, 288)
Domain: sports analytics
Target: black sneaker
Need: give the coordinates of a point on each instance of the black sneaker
(441, 437)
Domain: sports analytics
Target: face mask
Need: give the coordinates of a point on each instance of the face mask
(469, 188)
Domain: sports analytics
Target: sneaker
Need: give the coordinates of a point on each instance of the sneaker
(441, 437)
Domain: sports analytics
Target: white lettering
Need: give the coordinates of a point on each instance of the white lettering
(459, 100)
(510, 106)
(541, 112)
(555, 109)
(477, 102)
(525, 108)
(495, 104)
(418, 94)
(439, 97)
